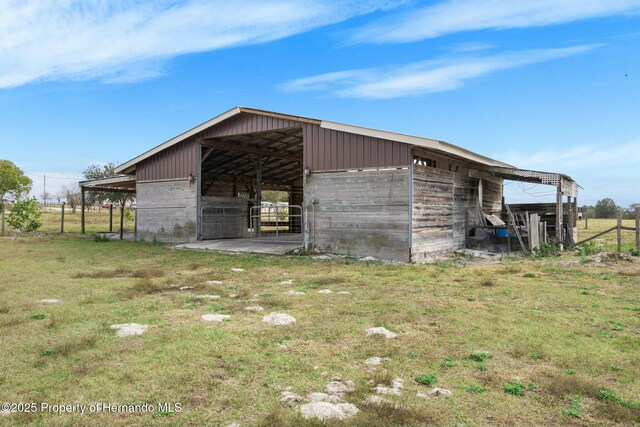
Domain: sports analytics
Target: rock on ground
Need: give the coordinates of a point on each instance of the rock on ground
(238, 270)
(323, 397)
(292, 292)
(325, 291)
(436, 392)
(215, 317)
(372, 361)
(287, 282)
(395, 389)
(207, 296)
(343, 293)
(278, 319)
(377, 400)
(381, 331)
(50, 301)
(215, 282)
(254, 308)
(290, 398)
(185, 288)
(326, 411)
(321, 257)
(339, 387)
(368, 258)
(129, 329)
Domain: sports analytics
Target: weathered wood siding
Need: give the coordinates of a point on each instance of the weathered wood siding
(166, 210)
(359, 213)
(433, 211)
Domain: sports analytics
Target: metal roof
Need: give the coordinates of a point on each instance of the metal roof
(432, 144)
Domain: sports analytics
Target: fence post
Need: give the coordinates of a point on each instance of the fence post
(619, 230)
(586, 217)
(2, 202)
(110, 217)
(62, 219)
(638, 229)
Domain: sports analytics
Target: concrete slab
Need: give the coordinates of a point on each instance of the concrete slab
(271, 247)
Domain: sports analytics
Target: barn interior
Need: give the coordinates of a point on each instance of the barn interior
(236, 171)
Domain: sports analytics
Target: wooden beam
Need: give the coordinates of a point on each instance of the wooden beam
(559, 214)
(252, 150)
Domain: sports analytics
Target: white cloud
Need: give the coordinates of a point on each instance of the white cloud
(423, 77)
(468, 15)
(130, 39)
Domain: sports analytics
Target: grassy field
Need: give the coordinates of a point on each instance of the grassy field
(609, 240)
(560, 338)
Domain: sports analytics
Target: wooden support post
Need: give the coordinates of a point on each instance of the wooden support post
(110, 217)
(62, 219)
(259, 193)
(570, 241)
(638, 229)
(82, 207)
(466, 228)
(508, 234)
(121, 220)
(559, 213)
(2, 202)
(135, 223)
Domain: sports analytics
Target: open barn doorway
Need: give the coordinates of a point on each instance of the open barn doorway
(251, 186)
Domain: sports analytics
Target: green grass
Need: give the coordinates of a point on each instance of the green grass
(609, 240)
(573, 354)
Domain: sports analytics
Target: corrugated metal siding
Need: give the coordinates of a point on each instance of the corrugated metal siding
(324, 149)
(327, 149)
(173, 163)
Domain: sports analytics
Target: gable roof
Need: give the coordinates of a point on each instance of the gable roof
(432, 144)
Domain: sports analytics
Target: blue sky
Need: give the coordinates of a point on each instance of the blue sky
(548, 85)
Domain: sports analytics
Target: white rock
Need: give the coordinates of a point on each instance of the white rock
(321, 257)
(437, 392)
(381, 331)
(238, 270)
(339, 387)
(185, 288)
(368, 258)
(233, 295)
(215, 282)
(372, 361)
(129, 329)
(324, 397)
(326, 411)
(287, 282)
(278, 319)
(377, 400)
(207, 296)
(343, 293)
(233, 425)
(395, 389)
(254, 308)
(215, 317)
(292, 292)
(290, 398)
(325, 291)
(50, 301)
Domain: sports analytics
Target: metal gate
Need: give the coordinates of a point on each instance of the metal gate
(280, 223)
(221, 223)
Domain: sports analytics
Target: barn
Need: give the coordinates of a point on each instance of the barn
(350, 189)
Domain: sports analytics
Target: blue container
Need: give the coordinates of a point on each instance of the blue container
(502, 232)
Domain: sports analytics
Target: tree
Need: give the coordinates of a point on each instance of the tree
(13, 182)
(606, 208)
(103, 171)
(25, 215)
(71, 194)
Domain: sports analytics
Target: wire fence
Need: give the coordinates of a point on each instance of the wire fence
(58, 218)
(618, 233)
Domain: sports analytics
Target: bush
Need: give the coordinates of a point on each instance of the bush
(546, 250)
(516, 388)
(426, 379)
(587, 249)
(25, 215)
